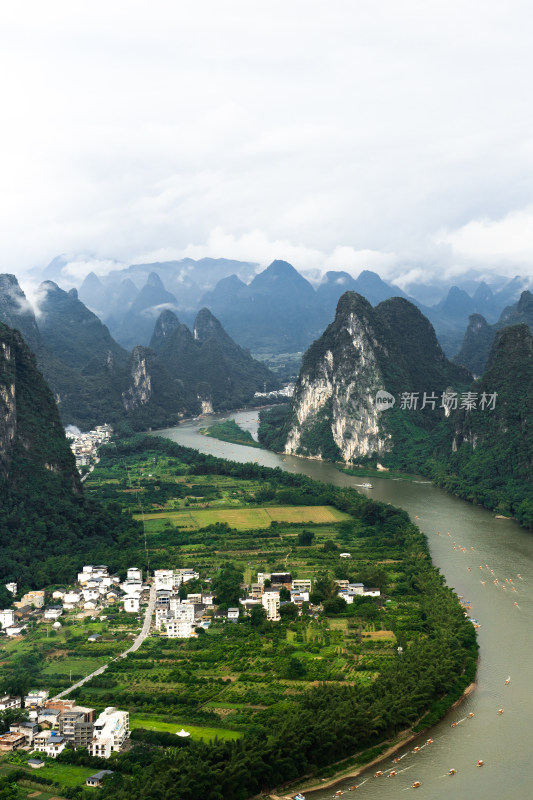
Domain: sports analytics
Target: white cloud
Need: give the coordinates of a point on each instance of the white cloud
(340, 136)
(505, 243)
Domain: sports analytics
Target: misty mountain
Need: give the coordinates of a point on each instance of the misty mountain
(137, 324)
(479, 336)
(73, 333)
(208, 362)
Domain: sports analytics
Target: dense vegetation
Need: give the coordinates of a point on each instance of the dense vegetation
(47, 527)
(483, 454)
(254, 677)
(229, 431)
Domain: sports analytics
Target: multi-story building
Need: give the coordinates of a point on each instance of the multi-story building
(302, 584)
(7, 618)
(111, 729)
(7, 701)
(77, 725)
(270, 601)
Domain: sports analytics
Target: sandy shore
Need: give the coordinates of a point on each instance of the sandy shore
(403, 739)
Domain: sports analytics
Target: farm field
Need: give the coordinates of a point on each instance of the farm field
(247, 518)
(200, 733)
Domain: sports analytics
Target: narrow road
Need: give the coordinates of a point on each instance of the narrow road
(145, 630)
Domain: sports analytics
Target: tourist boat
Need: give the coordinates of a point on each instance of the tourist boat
(471, 714)
(508, 680)
(392, 773)
(378, 774)
(429, 741)
(396, 760)
(480, 763)
(366, 486)
(415, 749)
(354, 787)
(299, 796)
(338, 794)
(500, 711)
(416, 784)
(452, 771)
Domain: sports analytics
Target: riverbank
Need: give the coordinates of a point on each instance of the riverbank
(403, 739)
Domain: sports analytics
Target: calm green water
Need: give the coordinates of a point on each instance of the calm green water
(504, 742)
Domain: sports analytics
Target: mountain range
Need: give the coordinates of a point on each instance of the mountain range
(276, 310)
(474, 437)
(94, 379)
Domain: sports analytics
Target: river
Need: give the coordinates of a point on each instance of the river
(478, 551)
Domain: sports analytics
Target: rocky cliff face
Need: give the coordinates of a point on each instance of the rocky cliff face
(340, 377)
(392, 348)
(32, 439)
(139, 391)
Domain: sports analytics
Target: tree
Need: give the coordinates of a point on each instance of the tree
(334, 605)
(258, 615)
(227, 585)
(288, 611)
(330, 547)
(306, 538)
(295, 669)
(284, 594)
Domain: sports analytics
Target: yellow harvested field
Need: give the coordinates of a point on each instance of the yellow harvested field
(248, 518)
(380, 635)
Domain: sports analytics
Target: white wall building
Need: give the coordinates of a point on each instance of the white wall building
(301, 584)
(164, 578)
(179, 628)
(111, 729)
(7, 618)
(132, 603)
(270, 600)
(134, 574)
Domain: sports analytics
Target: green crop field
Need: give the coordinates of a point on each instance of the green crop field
(247, 518)
(203, 733)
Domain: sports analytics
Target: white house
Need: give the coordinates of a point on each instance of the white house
(53, 612)
(134, 574)
(71, 600)
(301, 584)
(233, 614)
(179, 628)
(132, 603)
(111, 729)
(270, 601)
(12, 587)
(90, 605)
(7, 618)
(8, 701)
(15, 630)
(164, 578)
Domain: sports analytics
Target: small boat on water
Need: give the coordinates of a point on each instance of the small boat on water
(480, 763)
(429, 741)
(378, 774)
(366, 486)
(508, 680)
(452, 771)
(500, 711)
(471, 715)
(392, 773)
(416, 784)
(354, 787)
(299, 796)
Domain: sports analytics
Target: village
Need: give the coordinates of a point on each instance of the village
(85, 445)
(52, 724)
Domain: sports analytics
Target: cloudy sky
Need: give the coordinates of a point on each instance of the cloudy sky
(389, 134)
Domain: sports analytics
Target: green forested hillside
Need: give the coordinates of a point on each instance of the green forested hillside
(47, 528)
(489, 454)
